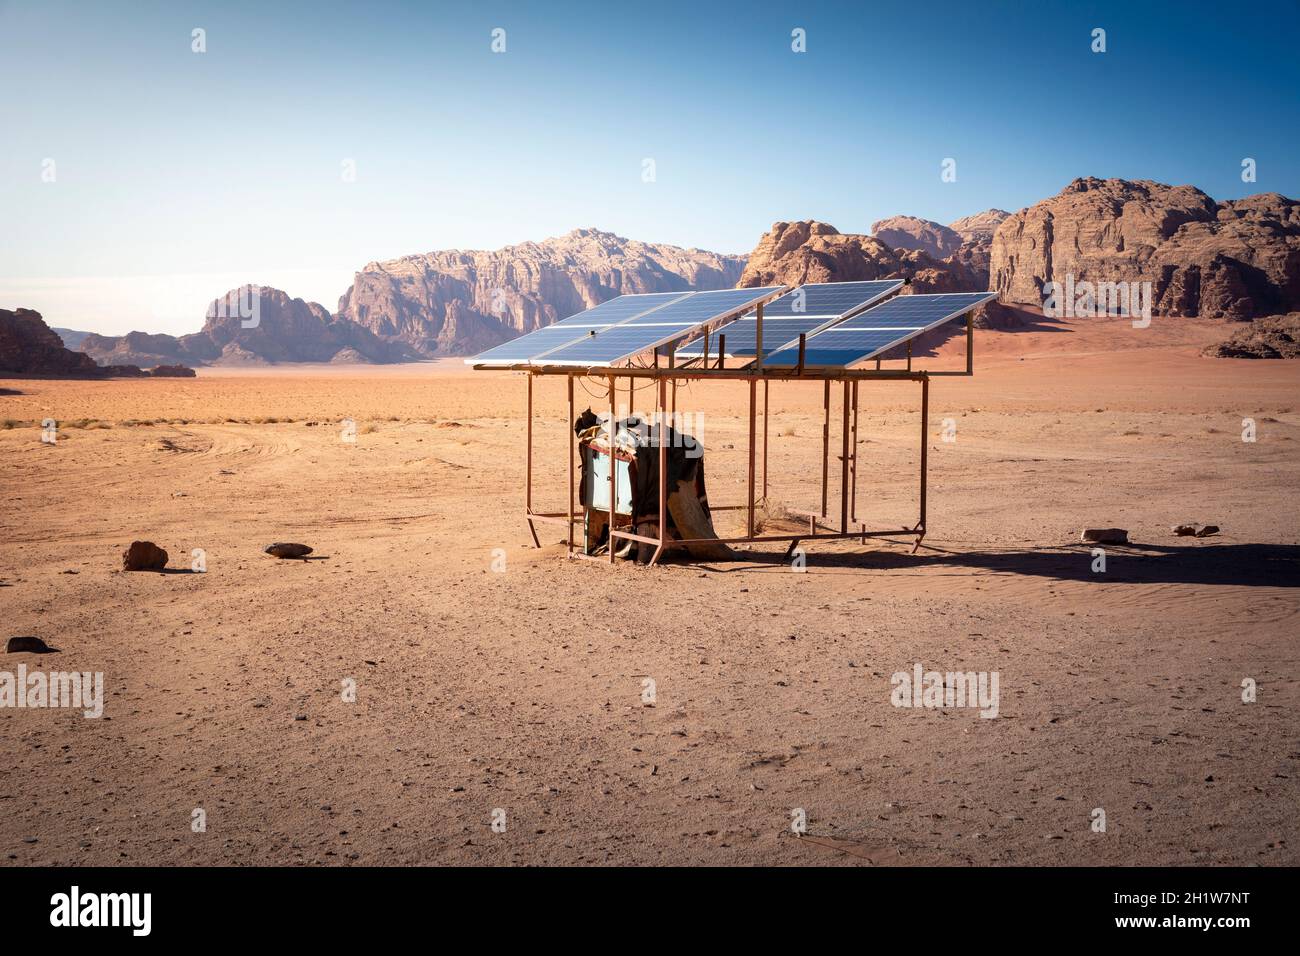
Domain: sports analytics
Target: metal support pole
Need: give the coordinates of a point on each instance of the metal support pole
(853, 462)
(844, 461)
(765, 384)
(826, 441)
(663, 473)
(528, 466)
(572, 441)
(753, 394)
(613, 468)
(909, 355)
(925, 447)
(970, 343)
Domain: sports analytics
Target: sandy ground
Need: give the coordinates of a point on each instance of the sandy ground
(523, 690)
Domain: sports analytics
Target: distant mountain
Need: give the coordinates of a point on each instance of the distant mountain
(909, 232)
(71, 337)
(459, 303)
(982, 225)
(424, 306)
(1234, 259)
(248, 326)
(811, 251)
(30, 347)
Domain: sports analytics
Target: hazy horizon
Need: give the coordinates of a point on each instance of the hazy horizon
(145, 179)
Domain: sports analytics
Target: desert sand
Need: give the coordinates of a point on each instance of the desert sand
(523, 689)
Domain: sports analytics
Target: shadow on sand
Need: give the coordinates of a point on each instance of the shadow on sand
(1245, 565)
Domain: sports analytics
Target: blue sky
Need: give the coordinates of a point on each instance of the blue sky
(179, 174)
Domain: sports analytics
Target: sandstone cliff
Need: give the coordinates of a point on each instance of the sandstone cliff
(811, 251)
(279, 329)
(30, 347)
(459, 303)
(909, 232)
(1233, 259)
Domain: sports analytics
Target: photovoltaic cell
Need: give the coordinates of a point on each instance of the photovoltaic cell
(878, 329)
(670, 323)
(705, 306)
(830, 298)
(802, 311)
(574, 328)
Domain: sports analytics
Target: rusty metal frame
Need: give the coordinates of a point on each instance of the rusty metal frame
(662, 377)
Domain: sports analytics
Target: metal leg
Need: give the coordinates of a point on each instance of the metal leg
(528, 467)
(925, 448)
(853, 461)
(753, 392)
(613, 468)
(826, 441)
(663, 473)
(765, 384)
(572, 441)
(844, 460)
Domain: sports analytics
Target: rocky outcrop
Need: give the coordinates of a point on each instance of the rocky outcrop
(1233, 259)
(811, 251)
(459, 303)
(909, 232)
(1277, 336)
(30, 347)
(980, 226)
(251, 325)
(71, 337)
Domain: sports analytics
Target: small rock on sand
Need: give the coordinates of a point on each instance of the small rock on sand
(144, 556)
(1104, 536)
(286, 549)
(1208, 530)
(32, 645)
(1184, 530)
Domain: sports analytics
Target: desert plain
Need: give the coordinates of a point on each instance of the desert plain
(509, 685)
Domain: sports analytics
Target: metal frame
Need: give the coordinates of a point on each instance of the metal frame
(819, 526)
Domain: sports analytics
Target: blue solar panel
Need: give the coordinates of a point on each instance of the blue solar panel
(742, 337)
(534, 343)
(649, 331)
(803, 311)
(622, 308)
(830, 298)
(706, 306)
(573, 328)
(879, 329)
(916, 311)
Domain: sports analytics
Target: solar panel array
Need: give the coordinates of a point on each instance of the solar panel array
(802, 311)
(878, 329)
(574, 328)
(650, 330)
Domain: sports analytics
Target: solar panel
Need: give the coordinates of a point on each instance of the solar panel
(675, 321)
(803, 311)
(575, 327)
(830, 298)
(878, 329)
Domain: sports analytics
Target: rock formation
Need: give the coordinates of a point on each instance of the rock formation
(30, 347)
(980, 226)
(1276, 336)
(909, 232)
(458, 303)
(1233, 259)
(810, 251)
(250, 326)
